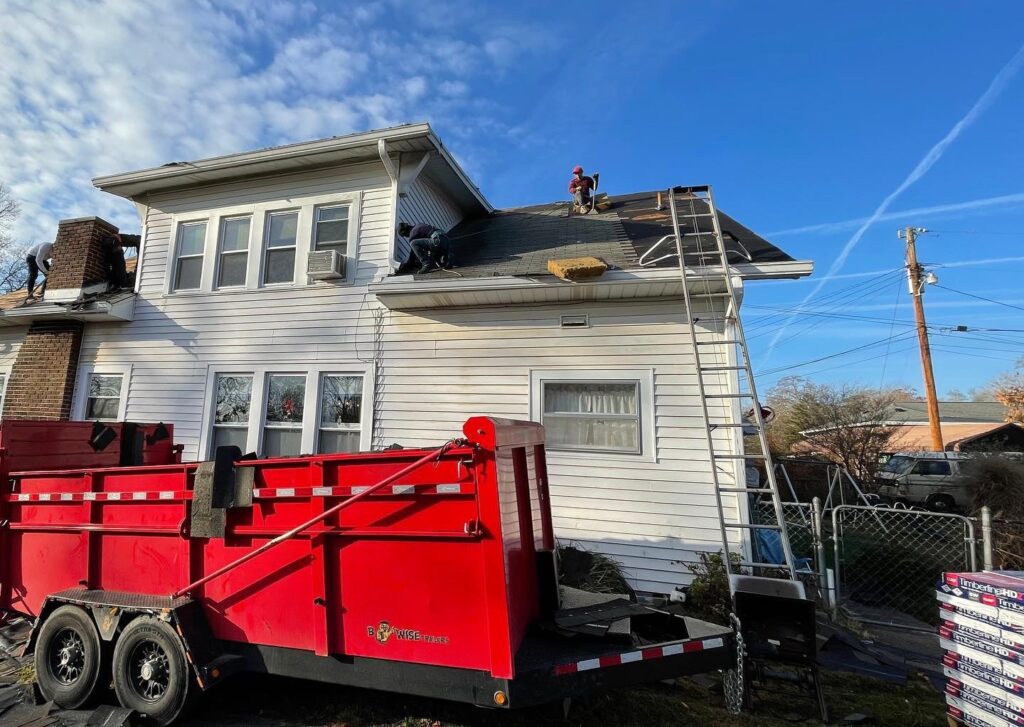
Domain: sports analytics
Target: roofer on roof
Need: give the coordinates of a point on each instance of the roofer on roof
(38, 258)
(581, 188)
(429, 245)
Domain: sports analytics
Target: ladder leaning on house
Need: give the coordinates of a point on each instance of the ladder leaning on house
(693, 213)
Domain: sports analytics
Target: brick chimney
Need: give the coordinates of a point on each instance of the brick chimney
(42, 381)
(78, 261)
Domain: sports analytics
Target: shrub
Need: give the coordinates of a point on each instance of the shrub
(709, 597)
(589, 571)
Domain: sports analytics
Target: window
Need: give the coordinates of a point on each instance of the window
(188, 268)
(341, 404)
(331, 231)
(592, 416)
(103, 400)
(282, 228)
(233, 395)
(234, 251)
(3, 390)
(282, 430)
(932, 467)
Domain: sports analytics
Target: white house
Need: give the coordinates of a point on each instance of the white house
(228, 337)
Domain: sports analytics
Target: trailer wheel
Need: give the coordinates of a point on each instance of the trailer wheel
(67, 657)
(151, 673)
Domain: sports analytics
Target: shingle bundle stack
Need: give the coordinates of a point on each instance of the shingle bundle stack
(982, 632)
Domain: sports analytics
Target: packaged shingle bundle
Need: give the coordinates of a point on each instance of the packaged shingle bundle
(982, 631)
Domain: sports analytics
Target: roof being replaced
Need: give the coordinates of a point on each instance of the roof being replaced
(951, 411)
(16, 299)
(520, 241)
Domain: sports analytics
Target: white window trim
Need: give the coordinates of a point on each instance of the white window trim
(265, 248)
(645, 380)
(6, 374)
(82, 388)
(311, 403)
(172, 257)
(221, 224)
(305, 206)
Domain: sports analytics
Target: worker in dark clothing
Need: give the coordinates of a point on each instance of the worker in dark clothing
(582, 187)
(429, 245)
(38, 258)
(113, 261)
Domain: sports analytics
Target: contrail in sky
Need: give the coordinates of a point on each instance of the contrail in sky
(934, 154)
(969, 206)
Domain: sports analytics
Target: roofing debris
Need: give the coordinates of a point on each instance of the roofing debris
(577, 268)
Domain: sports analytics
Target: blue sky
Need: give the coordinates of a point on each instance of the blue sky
(804, 116)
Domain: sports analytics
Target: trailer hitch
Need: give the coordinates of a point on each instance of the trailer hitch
(436, 456)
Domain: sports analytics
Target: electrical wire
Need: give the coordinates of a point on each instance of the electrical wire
(981, 297)
(902, 336)
(892, 325)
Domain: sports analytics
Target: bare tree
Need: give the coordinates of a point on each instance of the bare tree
(12, 255)
(1009, 391)
(850, 424)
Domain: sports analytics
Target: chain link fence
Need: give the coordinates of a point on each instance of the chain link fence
(889, 559)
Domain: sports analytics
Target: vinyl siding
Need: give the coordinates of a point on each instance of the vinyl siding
(423, 202)
(433, 368)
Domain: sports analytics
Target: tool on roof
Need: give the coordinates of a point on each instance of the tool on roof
(690, 206)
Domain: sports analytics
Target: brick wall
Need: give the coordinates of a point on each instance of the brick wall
(42, 382)
(78, 254)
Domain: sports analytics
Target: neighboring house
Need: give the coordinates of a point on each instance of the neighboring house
(229, 338)
(968, 426)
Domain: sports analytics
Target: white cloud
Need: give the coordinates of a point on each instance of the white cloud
(113, 85)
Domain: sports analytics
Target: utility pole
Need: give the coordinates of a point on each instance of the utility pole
(916, 285)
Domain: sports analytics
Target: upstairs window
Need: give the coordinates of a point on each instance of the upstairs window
(103, 402)
(188, 264)
(282, 430)
(234, 252)
(341, 414)
(231, 411)
(282, 228)
(331, 229)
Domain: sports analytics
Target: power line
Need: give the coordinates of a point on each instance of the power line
(980, 297)
(776, 370)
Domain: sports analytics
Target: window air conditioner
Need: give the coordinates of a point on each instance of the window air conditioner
(325, 265)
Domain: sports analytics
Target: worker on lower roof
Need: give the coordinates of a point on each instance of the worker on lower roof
(582, 187)
(429, 245)
(38, 258)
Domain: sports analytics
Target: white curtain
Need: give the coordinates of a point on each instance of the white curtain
(592, 416)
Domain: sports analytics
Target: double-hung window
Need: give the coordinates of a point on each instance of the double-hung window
(341, 413)
(232, 403)
(233, 251)
(103, 397)
(282, 229)
(331, 228)
(190, 249)
(282, 428)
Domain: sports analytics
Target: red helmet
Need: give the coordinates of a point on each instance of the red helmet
(577, 169)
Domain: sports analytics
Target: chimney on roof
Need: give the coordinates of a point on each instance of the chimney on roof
(79, 263)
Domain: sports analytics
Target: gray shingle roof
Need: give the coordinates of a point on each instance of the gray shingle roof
(951, 411)
(520, 241)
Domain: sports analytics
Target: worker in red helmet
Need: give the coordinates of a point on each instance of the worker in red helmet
(582, 187)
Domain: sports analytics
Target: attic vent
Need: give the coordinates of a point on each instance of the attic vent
(578, 321)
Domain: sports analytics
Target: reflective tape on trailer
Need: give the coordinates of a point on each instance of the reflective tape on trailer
(267, 493)
(65, 497)
(653, 652)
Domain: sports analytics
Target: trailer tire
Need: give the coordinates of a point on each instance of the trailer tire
(151, 671)
(68, 656)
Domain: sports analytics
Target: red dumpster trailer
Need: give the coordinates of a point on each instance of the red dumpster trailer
(428, 572)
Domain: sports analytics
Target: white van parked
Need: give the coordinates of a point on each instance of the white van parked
(925, 479)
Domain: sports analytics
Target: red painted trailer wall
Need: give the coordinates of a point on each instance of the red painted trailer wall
(438, 568)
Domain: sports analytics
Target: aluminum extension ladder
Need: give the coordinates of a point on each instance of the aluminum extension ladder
(692, 208)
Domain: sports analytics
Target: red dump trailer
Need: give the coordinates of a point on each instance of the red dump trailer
(428, 572)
